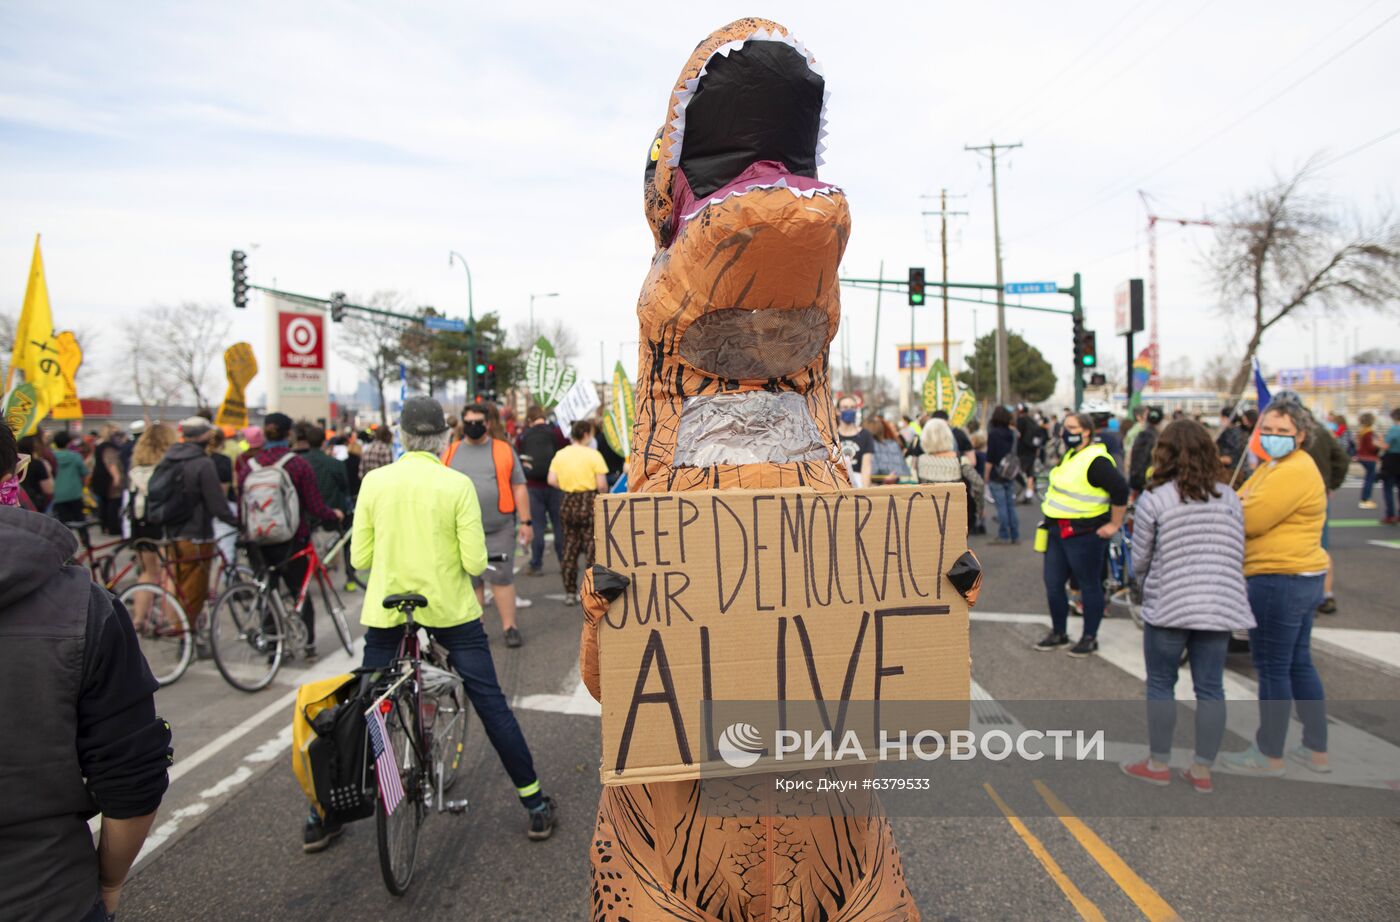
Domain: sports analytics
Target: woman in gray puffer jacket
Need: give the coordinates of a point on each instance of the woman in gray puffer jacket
(1188, 555)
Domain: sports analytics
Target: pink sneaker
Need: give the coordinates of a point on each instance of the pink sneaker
(1144, 772)
(1200, 785)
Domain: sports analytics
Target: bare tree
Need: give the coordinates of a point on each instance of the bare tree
(1216, 373)
(560, 335)
(7, 344)
(154, 382)
(1374, 356)
(374, 345)
(1282, 248)
(186, 340)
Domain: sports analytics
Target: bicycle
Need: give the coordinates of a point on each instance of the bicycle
(1119, 587)
(159, 613)
(424, 710)
(251, 627)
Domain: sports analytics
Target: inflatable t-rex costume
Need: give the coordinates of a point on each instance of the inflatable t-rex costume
(736, 316)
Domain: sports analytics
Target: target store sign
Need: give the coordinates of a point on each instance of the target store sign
(302, 341)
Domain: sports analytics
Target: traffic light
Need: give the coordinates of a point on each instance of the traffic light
(1078, 341)
(337, 306)
(916, 286)
(479, 369)
(491, 379)
(1088, 351)
(240, 278)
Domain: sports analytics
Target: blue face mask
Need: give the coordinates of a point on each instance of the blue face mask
(848, 416)
(1276, 446)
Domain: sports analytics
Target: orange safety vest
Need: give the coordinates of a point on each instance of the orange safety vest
(503, 459)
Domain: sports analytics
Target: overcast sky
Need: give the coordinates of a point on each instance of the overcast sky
(352, 145)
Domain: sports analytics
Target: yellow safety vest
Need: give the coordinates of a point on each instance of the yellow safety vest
(1071, 495)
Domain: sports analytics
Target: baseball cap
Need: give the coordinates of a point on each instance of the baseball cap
(137, 427)
(422, 416)
(195, 426)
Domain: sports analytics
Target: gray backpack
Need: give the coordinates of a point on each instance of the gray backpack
(270, 505)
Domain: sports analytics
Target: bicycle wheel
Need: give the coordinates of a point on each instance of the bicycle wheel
(450, 735)
(246, 635)
(162, 629)
(397, 832)
(337, 613)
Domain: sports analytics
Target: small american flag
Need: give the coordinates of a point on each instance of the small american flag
(385, 766)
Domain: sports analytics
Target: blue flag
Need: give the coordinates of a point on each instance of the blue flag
(1261, 390)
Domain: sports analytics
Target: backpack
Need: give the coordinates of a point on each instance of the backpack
(139, 480)
(270, 505)
(537, 450)
(168, 502)
(1010, 464)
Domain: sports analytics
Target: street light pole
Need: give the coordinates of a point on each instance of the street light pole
(550, 294)
(471, 318)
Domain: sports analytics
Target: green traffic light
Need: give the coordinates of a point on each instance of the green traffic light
(1090, 361)
(916, 299)
(481, 369)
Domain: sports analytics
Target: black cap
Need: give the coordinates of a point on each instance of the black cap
(422, 416)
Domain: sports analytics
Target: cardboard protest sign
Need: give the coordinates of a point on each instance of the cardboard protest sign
(240, 367)
(771, 595)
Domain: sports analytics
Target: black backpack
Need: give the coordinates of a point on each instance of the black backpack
(537, 450)
(168, 502)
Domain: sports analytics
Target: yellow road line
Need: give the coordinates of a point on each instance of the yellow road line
(1138, 890)
(1082, 904)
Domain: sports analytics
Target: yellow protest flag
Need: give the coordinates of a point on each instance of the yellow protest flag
(35, 352)
(70, 358)
(240, 367)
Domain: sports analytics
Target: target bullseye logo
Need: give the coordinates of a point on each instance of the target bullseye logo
(301, 336)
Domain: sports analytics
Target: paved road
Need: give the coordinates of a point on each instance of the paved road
(230, 829)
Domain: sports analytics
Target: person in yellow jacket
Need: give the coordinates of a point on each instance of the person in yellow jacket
(1285, 504)
(1083, 508)
(418, 529)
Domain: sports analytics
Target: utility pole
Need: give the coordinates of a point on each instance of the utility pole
(1003, 366)
(875, 349)
(943, 213)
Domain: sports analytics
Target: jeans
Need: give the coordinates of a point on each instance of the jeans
(1004, 496)
(1283, 607)
(292, 576)
(545, 503)
(1162, 648)
(1368, 479)
(469, 653)
(1390, 489)
(1083, 557)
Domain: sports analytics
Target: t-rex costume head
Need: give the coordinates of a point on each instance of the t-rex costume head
(742, 298)
(736, 316)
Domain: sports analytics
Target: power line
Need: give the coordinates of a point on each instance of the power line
(1139, 181)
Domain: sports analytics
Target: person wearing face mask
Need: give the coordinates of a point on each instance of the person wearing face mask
(856, 444)
(495, 470)
(1285, 503)
(1084, 506)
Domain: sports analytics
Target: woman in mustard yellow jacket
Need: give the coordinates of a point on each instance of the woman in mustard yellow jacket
(1285, 503)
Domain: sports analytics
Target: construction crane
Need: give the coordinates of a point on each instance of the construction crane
(1152, 219)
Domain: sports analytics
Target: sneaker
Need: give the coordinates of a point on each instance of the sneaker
(522, 602)
(543, 819)
(1390, 520)
(1199, 785)
(202, 649)
(1304, 757)
(318, 834)
(1328, 606)
(1249, 762)
(534, 570)
(1000, 541)
(571, 599)
(1366, 504)
(1086, 646)
(1050, 641)
(1142, 771)
(513, 638)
